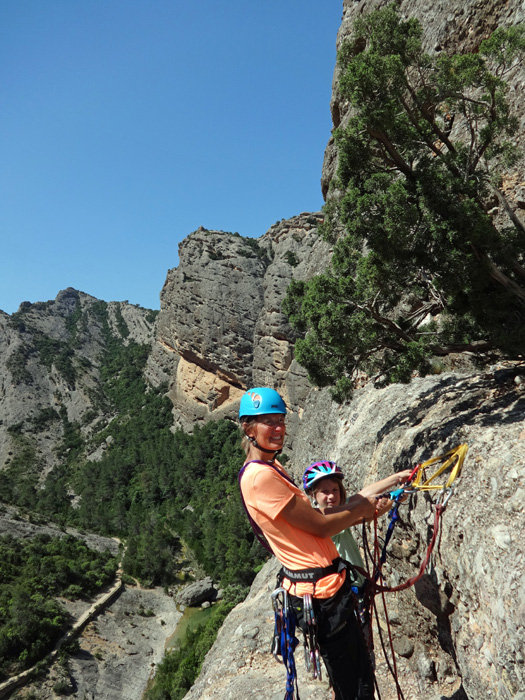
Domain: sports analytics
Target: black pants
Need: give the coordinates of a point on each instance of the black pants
(341, 643)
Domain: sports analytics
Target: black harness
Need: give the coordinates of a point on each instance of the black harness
(315, 574)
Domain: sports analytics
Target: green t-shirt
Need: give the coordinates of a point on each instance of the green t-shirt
(348, 549)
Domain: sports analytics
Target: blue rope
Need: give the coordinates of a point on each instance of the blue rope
(394, 517)
(285, 643)
(288, 644)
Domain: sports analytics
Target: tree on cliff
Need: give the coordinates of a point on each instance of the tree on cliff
(420, 268)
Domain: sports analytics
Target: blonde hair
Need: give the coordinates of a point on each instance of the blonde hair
(246, 441)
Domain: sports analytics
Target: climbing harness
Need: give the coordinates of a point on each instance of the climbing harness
(313, 575)
(284, 640)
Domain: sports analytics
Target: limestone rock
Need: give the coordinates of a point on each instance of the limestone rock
(221, 329)
(197, 593)
(50, 355)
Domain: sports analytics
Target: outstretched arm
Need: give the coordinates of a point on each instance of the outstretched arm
(394, 481)
(300, 514)
(390, 483)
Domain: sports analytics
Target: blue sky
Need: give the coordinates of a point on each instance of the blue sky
(127, 124)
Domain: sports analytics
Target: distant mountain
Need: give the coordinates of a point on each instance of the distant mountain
(51, 358)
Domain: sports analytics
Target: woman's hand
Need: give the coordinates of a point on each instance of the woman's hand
(392, 482)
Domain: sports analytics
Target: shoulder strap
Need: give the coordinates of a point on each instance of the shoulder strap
(256, 529)
(268, 464)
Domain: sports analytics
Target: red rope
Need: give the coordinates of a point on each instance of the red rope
(382, 589)
(378, 588)
(424, 563)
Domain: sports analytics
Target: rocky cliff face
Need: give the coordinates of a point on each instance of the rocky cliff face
(50, 354)
(449, 25)
(221, 329)
(460, 631)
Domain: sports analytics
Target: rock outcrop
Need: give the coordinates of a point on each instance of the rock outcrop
(460, 631)
(194, 594)
(50, 356)
(221, 328)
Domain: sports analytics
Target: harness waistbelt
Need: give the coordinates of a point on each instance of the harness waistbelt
(313, 575)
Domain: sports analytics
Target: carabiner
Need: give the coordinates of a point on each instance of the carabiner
(276, 602)
(309, 614)
(444, 496)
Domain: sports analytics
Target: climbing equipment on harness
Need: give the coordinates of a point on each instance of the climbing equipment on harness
(287, 621)
(284, 640)
(312, 654)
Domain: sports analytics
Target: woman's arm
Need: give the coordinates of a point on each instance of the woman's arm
(301, 515)
(373, 491)
(391, 482)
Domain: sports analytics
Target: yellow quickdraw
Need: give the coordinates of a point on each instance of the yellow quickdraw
(453, 459)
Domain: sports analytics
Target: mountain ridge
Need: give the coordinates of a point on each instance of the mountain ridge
(460, 633)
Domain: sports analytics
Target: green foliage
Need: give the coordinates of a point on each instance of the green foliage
(42, 420)
(16, 363)
(121, 324)
(19, 478)
(74, 322)
(253, 249)
(57, 353)
(419, 267)
(151, 316)
(152, 484)
(291, 258)
(32, 573)
(151, 487)
(180, 667)
(62, 687)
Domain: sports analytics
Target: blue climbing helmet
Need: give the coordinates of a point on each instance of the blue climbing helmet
(259, 401)
(320, 470)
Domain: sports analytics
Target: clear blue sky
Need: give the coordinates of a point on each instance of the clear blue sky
(127, 124)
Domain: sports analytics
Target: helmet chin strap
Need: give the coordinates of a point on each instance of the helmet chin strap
(263, 449)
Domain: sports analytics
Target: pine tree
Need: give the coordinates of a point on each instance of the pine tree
(420, 268)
